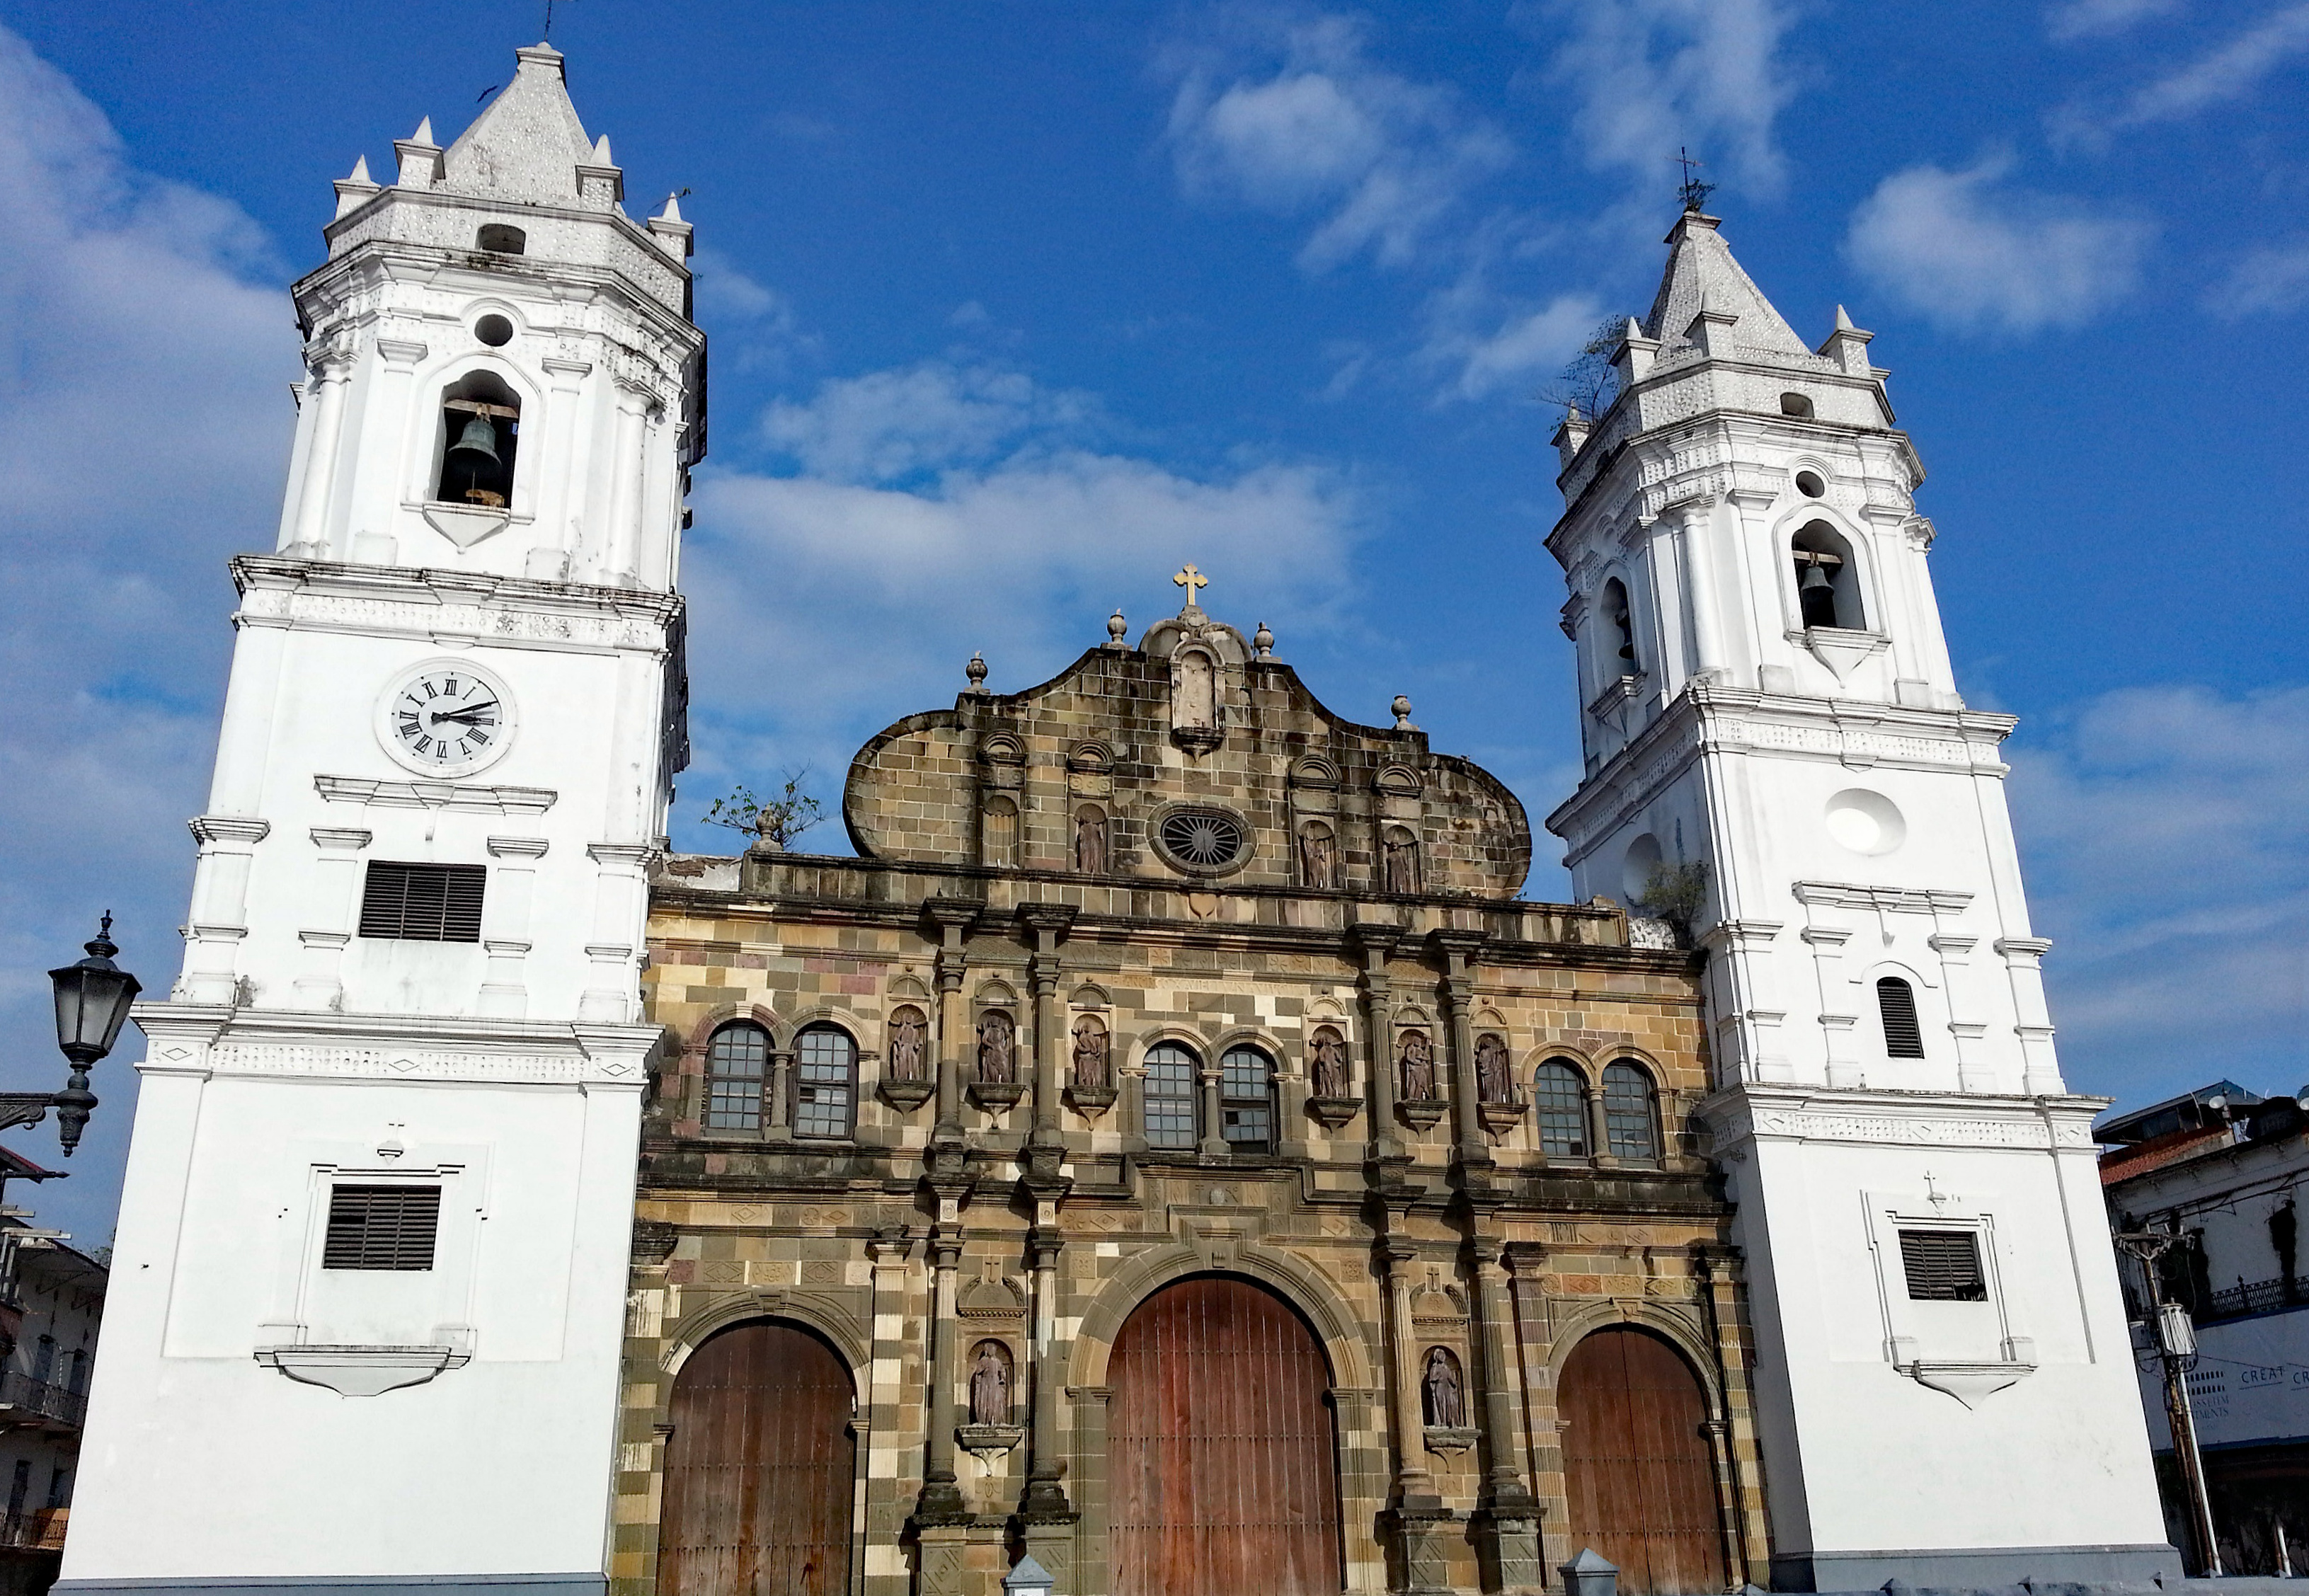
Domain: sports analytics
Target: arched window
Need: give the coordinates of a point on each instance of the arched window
(825, 1082)
(1629, 1116)
(497, 238)
(1091, 840)
(1247, 1100)
(1896, 1002)
(481, 428)
(1797, 405)
(1000, 841)
(1170, 1094)
(1400, 866)
(737, 1063)
(1620, 636)
(1828, 587)
(1560, 1093)
(1318, 856)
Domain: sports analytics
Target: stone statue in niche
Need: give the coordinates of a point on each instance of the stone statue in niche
(1402, 862)
(1090, 1056)
(1329, 1059)
(989, 1386)
(1318, 859)
(1090, 841)
(1198, 701)
(908, 1040)
(997, 1048)
(1447, 1398)
(1418, 1068)
(1494, 1076)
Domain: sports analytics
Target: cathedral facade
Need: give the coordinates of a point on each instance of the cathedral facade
(1167, 1156)
(1169, 1148)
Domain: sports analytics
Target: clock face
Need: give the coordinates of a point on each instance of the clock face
(445, 719)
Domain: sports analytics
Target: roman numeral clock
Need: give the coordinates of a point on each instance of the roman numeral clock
(447, 718)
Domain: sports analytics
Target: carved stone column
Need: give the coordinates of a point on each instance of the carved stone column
(1374, 943)
(1509, 1514)
(1213, 1142)
(1046, 1516)
(952, 917)
(778, 1085)
(1458, 950)
(941, 1501)
(1045, 922)
(1599, 1127)
(1422, 1525)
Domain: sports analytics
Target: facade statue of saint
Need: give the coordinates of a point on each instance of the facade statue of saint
(1418, 1068)
(1330, 1064)
(908, 1036)
(989, 1386)
(997, 1052)
(1447, 1399)
(1318, 859)
(1090, 843)
(1090, 1056)
(1401, 865)
(1494, 1076)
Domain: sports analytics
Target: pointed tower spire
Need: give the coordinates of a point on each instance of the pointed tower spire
(1702, 275)
(424, 134)
(356, 190)
(421, 157)
(671, 233)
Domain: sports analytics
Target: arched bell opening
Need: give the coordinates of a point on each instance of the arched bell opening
(480, 431)
(1828, 585)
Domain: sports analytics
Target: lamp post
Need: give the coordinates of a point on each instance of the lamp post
(92, 999)
(2173, 1335)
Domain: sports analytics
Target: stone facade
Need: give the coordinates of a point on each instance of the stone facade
(1039, 1211)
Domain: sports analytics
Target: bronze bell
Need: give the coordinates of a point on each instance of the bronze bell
(478, 438)
(1814, 580)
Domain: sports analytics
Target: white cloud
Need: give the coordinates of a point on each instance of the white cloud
(2228, 73)
(888, 425)
(1326, 129)
(1526, 347)
(1970, 253)
(1008, 535)
(1652, 76)
(2161, 828)
(2269, 280)
(144, 423)
(2096, 19)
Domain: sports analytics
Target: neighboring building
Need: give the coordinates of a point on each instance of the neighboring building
(1169, 1148)
(2228, 1173)
(51, 1302)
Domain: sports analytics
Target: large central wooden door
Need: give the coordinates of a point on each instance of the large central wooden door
(758, 1472)
(1222, 1477)
(1637, 1463)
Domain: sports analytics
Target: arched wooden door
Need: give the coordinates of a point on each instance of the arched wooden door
(1637, 1463)
(1221, 1467)
(759, 1470)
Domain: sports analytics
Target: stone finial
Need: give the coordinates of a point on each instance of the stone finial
(976, 671)
(1116, 627)
(1262, 641)
(1402, 711)
(354, 192)
(672, 232)
(421, 157)
(424, 134)
(1847, 345)
(1570, 436)
(602, 151)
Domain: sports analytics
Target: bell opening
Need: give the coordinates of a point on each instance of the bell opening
(480, 430)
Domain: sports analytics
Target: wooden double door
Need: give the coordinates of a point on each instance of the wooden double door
(1221, 1448)
(760, 1467)
(1637, 1464)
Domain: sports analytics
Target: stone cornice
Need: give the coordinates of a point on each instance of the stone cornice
(1758, 1111)
(209, 1042)
(503, 611)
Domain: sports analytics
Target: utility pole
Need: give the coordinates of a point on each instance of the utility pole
(2176, 1347)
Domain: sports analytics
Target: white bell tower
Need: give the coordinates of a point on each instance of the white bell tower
(1770, 724)
(369, 1279)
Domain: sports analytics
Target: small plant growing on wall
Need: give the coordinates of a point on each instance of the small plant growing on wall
(774, 821)
(1676, 894)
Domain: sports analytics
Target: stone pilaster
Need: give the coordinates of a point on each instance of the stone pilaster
(953, 917)
(1045, 923)
(1374, 944)
(941, 1502)
(1458, 950)
(1508, 1518)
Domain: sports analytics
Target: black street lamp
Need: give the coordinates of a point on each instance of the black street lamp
(92, 999)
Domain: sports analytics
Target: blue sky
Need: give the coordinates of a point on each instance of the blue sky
(1015, 307)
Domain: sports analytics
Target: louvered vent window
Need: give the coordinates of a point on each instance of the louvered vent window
(423, 903)
(382, 1227)
(1943, 1265)
(1895, 1000)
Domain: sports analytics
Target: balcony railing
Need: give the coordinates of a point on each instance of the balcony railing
(2257, 1297)
(39, 1529)
(39, 1400)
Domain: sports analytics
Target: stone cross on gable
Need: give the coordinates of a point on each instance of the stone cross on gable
(1191, 579)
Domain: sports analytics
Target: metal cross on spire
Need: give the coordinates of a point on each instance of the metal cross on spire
(1191, 579)
(549, 20)
(1693, 191)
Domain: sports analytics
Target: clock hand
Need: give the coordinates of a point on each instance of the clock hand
(467, 716)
